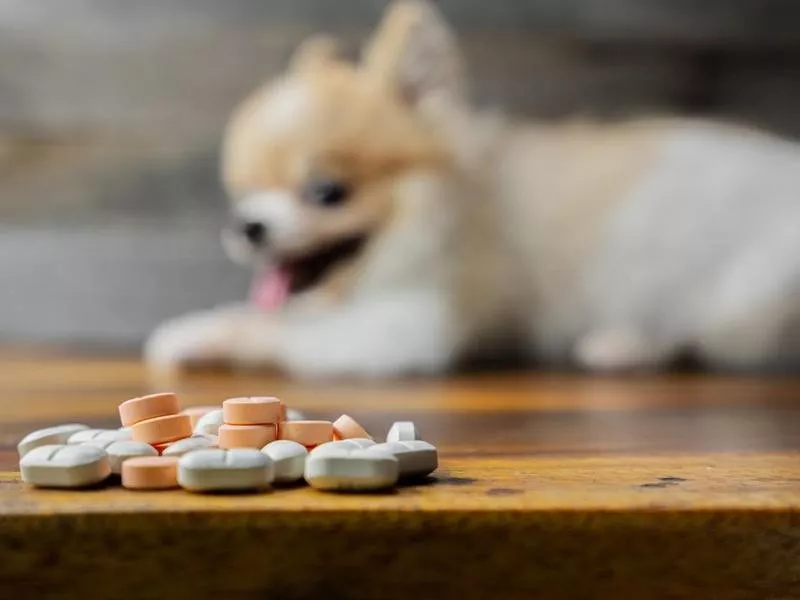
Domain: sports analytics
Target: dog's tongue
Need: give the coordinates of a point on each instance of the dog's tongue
(271, 288)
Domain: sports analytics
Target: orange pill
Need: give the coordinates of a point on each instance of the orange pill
(346, 427)
(246, 436)
(147, 407)
(195, 412)
(150, 473)
(162, 429)
(251, 411)
(308, 433)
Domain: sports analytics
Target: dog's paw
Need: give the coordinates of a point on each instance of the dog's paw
(204, 337)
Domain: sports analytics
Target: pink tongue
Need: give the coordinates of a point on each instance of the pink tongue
(271, 288)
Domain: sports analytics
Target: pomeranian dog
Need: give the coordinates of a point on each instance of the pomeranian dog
(395, 229)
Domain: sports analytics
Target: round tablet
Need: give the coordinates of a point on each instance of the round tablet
(185, 445)
(415, 458)
(209, 423)
(150, 473)
(86, 435)
(48, 436)
(307, 433)
(402, 431)
(351, 469)
(197, 412)
(246, 436)
(64, 466)
(346, 427)
(147, 407)
(217, 469)
(119, 452)
(251, 411)
(288, 458)
(162, 429)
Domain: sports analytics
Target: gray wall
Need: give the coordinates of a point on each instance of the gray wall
(110, 112)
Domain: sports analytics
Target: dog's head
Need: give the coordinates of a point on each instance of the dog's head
(314, 161)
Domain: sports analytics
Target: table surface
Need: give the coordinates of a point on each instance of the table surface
(549, 486)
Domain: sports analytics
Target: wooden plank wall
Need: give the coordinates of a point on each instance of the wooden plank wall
(110, 110)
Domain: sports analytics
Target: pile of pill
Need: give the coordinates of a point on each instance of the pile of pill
(247, 444)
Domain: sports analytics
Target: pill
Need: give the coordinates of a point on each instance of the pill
(246, 436)
(119, 452)
(218, 469)
(288, 458)
(185, 445)
(209, 423)
(140, 409)
(196, 412)
(150, 472)
(336, 444)
(251, 411)
(290, 414)
(346, 427)
(307, 433)
(116, 435)
(64, 466)
(48, 436)
(86, 435)
(415, 457)
(162, 429)
(351, 469)
(402, 431)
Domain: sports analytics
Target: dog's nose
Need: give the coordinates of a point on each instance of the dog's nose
(255, 232)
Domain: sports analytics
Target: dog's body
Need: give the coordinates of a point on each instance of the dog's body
(424, 232)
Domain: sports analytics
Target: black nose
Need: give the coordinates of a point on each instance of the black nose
(255, 232)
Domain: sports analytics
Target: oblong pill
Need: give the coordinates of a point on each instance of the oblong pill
(307, 433)
(48, 436)
(288, 458)
(246, 436)
(351, 469)
(181, 447)
(402, 431)
(346, 427)
(252, 411)
(209, 423)
(416, 458)
(64, 466)
(353, 443)
(162, 429)
(143, 408)
(197, 412)
(217, 469)
(150, 473)
(119, 452)
(86, 435)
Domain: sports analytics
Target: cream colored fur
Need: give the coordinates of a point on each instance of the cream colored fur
(608, 246)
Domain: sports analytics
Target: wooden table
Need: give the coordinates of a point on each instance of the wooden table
(550, 487)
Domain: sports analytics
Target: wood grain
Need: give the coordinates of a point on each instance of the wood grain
(550, 486)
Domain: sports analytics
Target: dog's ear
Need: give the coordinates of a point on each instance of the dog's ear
(414, 53)
(314, 53)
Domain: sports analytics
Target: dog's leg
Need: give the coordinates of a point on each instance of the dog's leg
(391, 336)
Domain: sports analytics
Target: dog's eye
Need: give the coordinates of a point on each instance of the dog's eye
(326, 192)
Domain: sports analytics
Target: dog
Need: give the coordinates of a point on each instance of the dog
(395, 229)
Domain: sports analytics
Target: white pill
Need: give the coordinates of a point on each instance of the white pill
(352, 443)
(119, 452)
(48, 436)
(402, 431)
(209, 423)
(116, 435)
(64, 466)
(294, 415)
(181, 447)
(217, 469)
(289, 459)
(86, 435)
(416, 458)
(351, 469)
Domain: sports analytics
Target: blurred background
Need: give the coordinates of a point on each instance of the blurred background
(111, 113)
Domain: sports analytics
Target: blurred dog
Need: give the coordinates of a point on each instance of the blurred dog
(395, 229)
